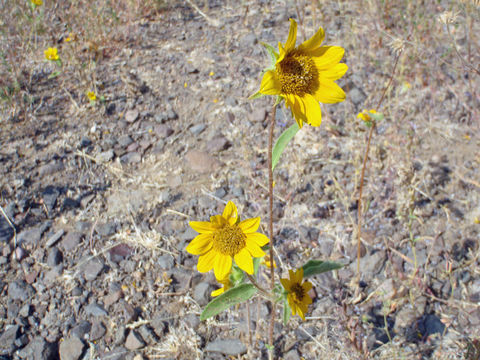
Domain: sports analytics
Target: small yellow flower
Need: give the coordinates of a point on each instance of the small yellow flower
(51, 54)
(305, 75)
(223, 238)
(91, 95)
(266, 261)
(227, 284)
(211, 73)
(37, 2)
(297, 293)
(365, 115)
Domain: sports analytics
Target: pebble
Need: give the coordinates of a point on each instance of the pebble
(72, 240)
(134, 341)
(106, 229)
(197, 129)
(356, 96)
(131, 116)
(55, 257)
(165, 262)
(30, 236)
(20, 290)
(105, 156)
(20, 253)
(118, 353)
(95, 310)
(147, 334)
(38, 349)
(217, 144)
(8, 338)
(124, 141)
(163, 131)
(81, 330)
(258, 115)
(50, 169)
(201, 161)
(131, 158)
(98, 330)
(233, 347)
(92, 269)
(71, 348)
(202, 292)
(54, 238)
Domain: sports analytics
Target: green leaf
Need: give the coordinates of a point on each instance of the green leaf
(286, 311)
(314, 267)
(54, 75)
(273, 55)
(229, 298)
(282, 142)
(256, 96)
(377, 116)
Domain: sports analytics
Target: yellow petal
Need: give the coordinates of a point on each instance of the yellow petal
(301, 311)
(254, 249)
(297, 107)
(217, 292)
(292, 36)
(244, 261)
(270, 84)
(307, 286)
(223, 265)
(230, 213)
(326, 56)
(313, 111)
(260, 239)
(299, 275)
(335, 72)
(202, 226)
(329, 92)
(314, 42)
(249, 226)
(200, 244)
(206, 261)
(286, 284)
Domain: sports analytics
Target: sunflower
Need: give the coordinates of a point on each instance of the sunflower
(366, 115)
(297, 293)
(51, 54)
(224, 238)
(304, 76)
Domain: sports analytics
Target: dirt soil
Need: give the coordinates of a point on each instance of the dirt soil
(96, 199)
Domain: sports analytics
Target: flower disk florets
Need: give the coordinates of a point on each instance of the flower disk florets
(297, 74)
(229, 240)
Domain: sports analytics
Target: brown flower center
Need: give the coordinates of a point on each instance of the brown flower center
(297, 292)
(297, 74)
(229, 240)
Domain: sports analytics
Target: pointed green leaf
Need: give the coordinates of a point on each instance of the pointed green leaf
(273, 55)
(256, 96)
(229, 298)
(314, 267)
(377, 116)
(282, 142)
(286, 311)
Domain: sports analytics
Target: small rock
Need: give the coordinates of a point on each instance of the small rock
(6, 231)
(197, 129)
(30, 236)
(233, 347)
(292, 355)
(118, 353)
(163, 131)
(98, 330)
(55, 237)
(81, 330)
(71, 240)
(50, 196)
(38, 349)
(20, 253)
(105, 156)
(158, 324)
(131, 158)
(95, 310)
(8, 338)
(55, 257)
(20, 290)
(131, 116)
(50, 169)
(165, 262)
(120, 252)
(372, 264)
(124, 141)
(92, 269)
(387, 290)
(112, 297)
(147, 334)
(403, 319)
(357, 96)
(201, 293)
(258, 115)
(71, 348)
(106, 229)
(217, 144)
(134, 341)
(201, 161)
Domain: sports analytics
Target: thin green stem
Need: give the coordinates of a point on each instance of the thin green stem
(270, 224)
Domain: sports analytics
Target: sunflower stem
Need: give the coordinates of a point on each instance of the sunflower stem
(364, 166)
(270, 224)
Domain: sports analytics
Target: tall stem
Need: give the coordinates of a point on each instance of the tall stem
(270, 224)
(362, 176)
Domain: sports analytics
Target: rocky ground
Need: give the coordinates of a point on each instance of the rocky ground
(95, 201)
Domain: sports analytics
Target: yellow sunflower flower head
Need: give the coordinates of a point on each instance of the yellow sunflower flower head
(92, 96)
(224, 239)
(305, 75)
(51, 54)
(37, 2)
(366, 115)
(297, 292)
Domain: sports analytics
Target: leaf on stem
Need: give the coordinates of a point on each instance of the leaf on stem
(229, 298)
(314, 267)
(282, 142)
